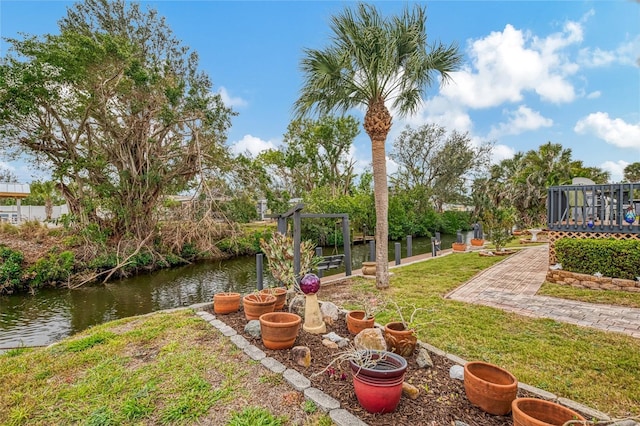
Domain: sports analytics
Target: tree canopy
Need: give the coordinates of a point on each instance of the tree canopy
(116, 108)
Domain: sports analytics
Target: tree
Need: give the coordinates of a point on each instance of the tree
(436, 164)
(374, 60)
(43, 193)
(7, 176)
(632, 172)
(116, 108)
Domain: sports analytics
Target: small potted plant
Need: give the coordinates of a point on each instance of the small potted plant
(358, 320)
(400, 336)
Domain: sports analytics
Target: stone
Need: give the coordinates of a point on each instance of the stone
(370, 338)
(333, 336)
(301, 355)
(273, 365)
(330, 312)
(321, 399)
(456, 372)
(423, 359)
(297, 380)
(342, 417)
(329, 344)
(410, 391)
(253, 329)
(459, 423)
(297, 304)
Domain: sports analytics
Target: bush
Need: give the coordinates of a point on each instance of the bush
(53, 268)
(452, 221)
(611, 258)
(241, 209)
(10, 269)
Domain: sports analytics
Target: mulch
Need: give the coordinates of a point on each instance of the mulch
(441, 401)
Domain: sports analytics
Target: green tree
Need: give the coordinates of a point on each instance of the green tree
(116, 107)
(374, 60)
(632, 172)
(7, 176)
(436, 164)
(44, 193)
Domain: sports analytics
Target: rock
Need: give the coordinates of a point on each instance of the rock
(253, 329)
(423, 359)
(341, 341)
(459, 423)
(328, 343)
(410, 391)
(370, 338)
(330, 312)
(301, 355)
(456, 372)
(296, 305)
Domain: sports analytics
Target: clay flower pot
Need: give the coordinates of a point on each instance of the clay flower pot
(400, 340)
(539, 412)
(280, 294)
(459, 247)
(377, 380)
(257, 304)
(368, 268)
(490, 387)
(226, 303)
(477, 242)
(279, 329)
(356, 321)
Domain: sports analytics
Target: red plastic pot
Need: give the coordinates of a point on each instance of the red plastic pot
(378, 395)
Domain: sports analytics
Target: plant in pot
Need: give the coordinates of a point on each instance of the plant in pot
(279, 252)
(360, 319)
(226, 303)
(498, 222)
(490, 387)
(400, 336)
(377, 377)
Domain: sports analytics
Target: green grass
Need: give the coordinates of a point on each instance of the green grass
(598, 369)
(158, 369)
(255, 416)
(606, 297)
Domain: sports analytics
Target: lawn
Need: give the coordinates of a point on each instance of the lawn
(166, 368)
(606, 297)
(598, 369)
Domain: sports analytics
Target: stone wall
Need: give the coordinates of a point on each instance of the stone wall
(589, 281)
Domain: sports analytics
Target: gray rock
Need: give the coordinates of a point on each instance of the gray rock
(423, 359)
(456, 372)
(321, 399)
(253, 329)
(333, 337)
(296, 305)
(330, 312)
(301, 355)
(459, 423)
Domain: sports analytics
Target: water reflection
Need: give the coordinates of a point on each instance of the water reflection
(51, 315)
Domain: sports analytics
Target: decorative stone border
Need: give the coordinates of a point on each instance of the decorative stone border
(326, 403)
(577, 280)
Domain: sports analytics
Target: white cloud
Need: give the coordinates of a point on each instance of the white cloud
(501, 152)
(7, 166)
(521, 120)
(392, 167)
(616, 168)
(626, 53)
(506, 64)
(251, 144)
(230, 101)
(614, 131)
(594, 95)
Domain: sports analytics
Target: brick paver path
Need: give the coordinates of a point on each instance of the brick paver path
(512, 284)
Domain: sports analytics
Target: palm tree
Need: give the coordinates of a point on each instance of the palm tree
(372, 61)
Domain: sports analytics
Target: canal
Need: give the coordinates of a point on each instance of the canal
(52, 314)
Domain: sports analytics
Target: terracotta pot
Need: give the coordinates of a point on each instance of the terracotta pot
(490, 387)
(459, 247)
(378, 387)
(257, 304)
(279, 329)
(400, 340)
(368, 268)
(539, 412)
(356, 322)
(226, 303)
(477, 242)
(280, 294)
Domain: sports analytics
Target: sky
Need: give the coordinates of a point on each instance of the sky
(533, 72)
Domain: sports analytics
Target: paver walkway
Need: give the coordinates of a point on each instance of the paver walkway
(512, 284)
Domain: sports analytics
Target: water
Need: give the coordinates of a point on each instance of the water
(50, 315)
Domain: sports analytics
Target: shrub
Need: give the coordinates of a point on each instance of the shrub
(10, 269)
(611, 258)
(54, 267)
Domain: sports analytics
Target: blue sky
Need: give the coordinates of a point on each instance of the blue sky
(534, 71)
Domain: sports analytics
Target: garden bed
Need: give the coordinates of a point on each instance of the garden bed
(441, 400)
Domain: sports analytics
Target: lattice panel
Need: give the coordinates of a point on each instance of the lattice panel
(554, 236)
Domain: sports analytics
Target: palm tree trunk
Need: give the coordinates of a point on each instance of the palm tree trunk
(381, 194)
